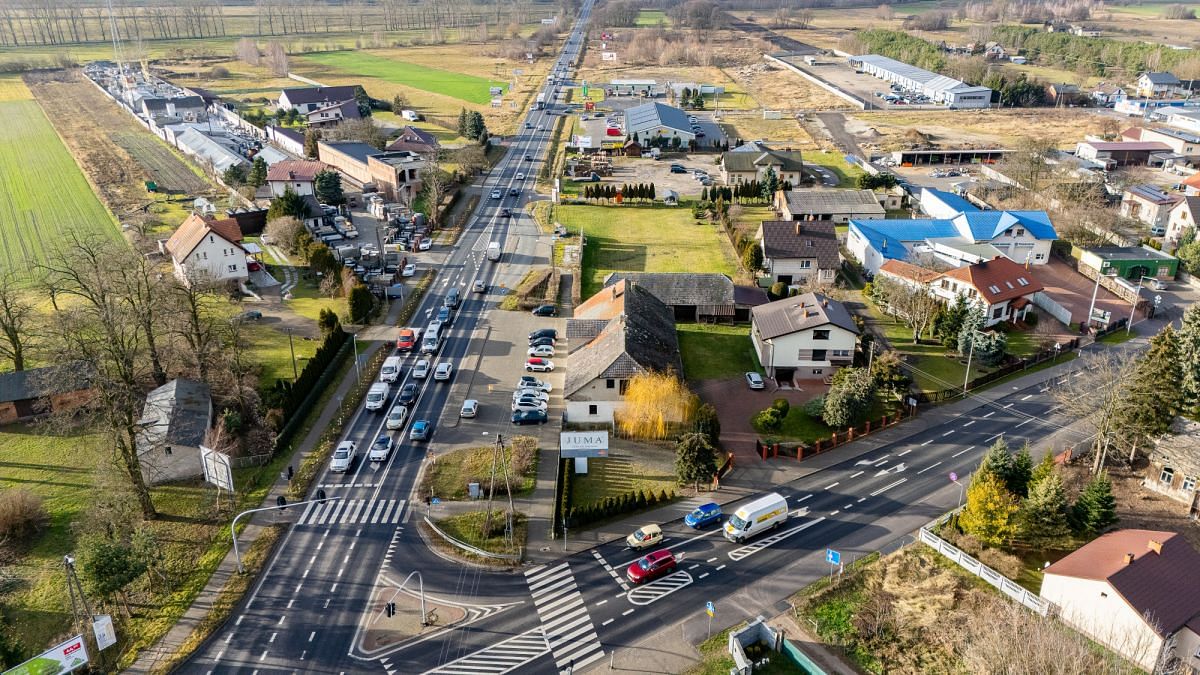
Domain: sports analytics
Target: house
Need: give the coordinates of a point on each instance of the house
(414, 140)
(1120, 153)
(619, 332)
(942, 204)
(1186, 119)
(1064, 94)
(1175, 465)
(631, 148)
(743, 167)
(804, 337)
(333, 114)
(1148, 204)
(1180, 142)
(1003, 289)
(969, 237)
(178, 109)
(839, 206)
(1156, 85)
(1136, 592)
(175, 419)
(298, 174)
(1108, 93)
(1085, 31)
(397, 175)
(658, 120)
(799, 252)
(27, 394)
(208, 250)
(291, 140)
(695, 296)
(308, 99)
(1184, 215)
(1129, 262)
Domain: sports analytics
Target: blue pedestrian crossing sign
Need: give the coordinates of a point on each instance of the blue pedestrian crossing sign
(710, 608)
(833, 557)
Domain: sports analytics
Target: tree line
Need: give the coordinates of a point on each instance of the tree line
(1094, 56)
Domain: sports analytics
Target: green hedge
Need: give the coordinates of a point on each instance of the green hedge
(610, 507)
(296, 399)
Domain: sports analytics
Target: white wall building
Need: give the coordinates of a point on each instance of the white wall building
(804, 337)
(208, 251)
(939, 88)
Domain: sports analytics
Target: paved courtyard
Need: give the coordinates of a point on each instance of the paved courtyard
(1074, 291)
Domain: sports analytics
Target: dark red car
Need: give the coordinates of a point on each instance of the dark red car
(651, 567)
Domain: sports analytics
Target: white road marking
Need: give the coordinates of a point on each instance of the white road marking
(964, 450)
(1025, 422)
(1026, 397)
(627, 612)
(797, 501)
(926, 443)
(928, 468)
(272, 637)
(905, 452)
(856, 475)
(947, 433)
(312, 636)
(834, 513)
(968, 424)
(832, 485)
(861, 500)
(601, 602)
(989, 414)
(703, 575)
(993, 436)
(887, 487)
(752, 548)
(1010, 405)
(605, 623)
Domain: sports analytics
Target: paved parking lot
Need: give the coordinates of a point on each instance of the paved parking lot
(646, 170)
(1074, 291)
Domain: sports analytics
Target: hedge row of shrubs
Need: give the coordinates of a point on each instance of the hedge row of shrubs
(616, 506)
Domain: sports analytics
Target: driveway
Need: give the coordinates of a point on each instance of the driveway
(1074, 291)
(736, 405)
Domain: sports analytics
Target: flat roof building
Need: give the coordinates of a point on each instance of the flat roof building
(939, 88)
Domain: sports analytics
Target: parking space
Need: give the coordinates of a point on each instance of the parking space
(837, 71)
(1074, 291)
(647, 170)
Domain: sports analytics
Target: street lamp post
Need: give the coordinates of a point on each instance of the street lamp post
(233, 526)
(1095, 291)
(970, 354)
(357, 371)
(1137, 295)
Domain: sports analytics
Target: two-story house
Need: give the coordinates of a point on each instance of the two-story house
(207, 251)
(1150, 205)
(331, 115)
(839, 206)
(297, 174)
(418, 141)
(1000, 287)
(1184, 215)
(1157, 85)
(738, 166)
(799, 252)
(307, 99)
(1174, 468)
(804, 337)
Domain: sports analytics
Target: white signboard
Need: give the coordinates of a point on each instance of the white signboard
(217, 469)
(64, 658)
(608, 56)
(106, 635)
(583, 443)
(582, 142)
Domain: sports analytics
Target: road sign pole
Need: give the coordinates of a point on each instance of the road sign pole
(278, 507)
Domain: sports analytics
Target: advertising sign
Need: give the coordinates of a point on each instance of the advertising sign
(583, 444)
(106, 635)
(217, 469)
(64, 658)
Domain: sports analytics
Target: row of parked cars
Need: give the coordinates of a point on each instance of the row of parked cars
(531, 398)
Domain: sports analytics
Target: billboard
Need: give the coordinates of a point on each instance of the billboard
(577, 444)
(64, 658)
(217, 469)
(106, 635)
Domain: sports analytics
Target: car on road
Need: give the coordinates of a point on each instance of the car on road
(542, 341)
(520, 175)
(406, 341)
(528, 404)
(442, 372)
(425, 244)
(408, 395)
(380, 449)
(644, 537)
(343, 457)
(470, 408)
(377, 396)
(420, 371)
(544, 332)
(528, 125)
(496, 194)
(651, 567)
(479, 286)
(535, 394)
(542, 350)
(703, 516)
(528, 157)
(513, 192)
(506, 212)
(755, 381)
(531, 382)
(396, 418)
(544, 310)
(419, 431)
(1158, 285)
(539, 365)
(522, 417)
(409, 270)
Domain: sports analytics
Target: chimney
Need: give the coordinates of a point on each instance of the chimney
(799, 227)
(1128, 558)
(1155, 546)
(291, 175)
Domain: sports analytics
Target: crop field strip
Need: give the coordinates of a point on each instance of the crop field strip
(464, 87)
(160, 164)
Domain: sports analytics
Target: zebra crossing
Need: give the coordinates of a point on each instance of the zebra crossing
(657, 590)
(353, 512)
(565, 620)
(501, 657)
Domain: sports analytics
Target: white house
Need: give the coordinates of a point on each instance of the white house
(804, 337)
(174, 421)
(1001, 287)
(1149, 204)
(1134, 591)
(742, 167)
(308, 99)
(207, 250)
(1183, 215)
(800, 252)
(286, 138)
(298, 174)
(1156, 85)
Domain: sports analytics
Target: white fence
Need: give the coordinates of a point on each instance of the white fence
(1007, 586)
(1044, 303)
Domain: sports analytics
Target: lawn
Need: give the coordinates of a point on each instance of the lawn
(308, 302)
(448, 476)
(836, 162)
(269, 348)
(43, 194)
(715, 351)
(715, 659)
(645, 239)
(615, 476)
(468, 528)
(648, 18)
(462, 86)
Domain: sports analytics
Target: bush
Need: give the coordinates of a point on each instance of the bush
(1031, 319)
(219, 72)
(22, 514)
(815, 408)
(768, 420)
(1005, 563)
(782, 405)
(777, 291)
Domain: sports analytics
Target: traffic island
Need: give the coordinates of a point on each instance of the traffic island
(396, 615)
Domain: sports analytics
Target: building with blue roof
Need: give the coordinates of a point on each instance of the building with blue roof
(958, 234)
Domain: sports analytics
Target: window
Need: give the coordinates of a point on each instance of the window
(623, 386)
(820, 335)
(1189, 483)
(1167, 476)
(994, 288)
(594, 409)
(805, 264)
(1023, 281)
(1040, 256)
(819, 354)
(841, 352)
(1019, 232)
(610, 384)
(998, 312)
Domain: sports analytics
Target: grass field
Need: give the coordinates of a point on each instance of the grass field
(448, 477)
(42, 191)
(652, 17)
(270, 349)
(836, 162)
(715, 351)
(458, 85)
(645, 239)
(617, 475)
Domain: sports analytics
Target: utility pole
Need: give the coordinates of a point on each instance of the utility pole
(292, 347)
(487, 519)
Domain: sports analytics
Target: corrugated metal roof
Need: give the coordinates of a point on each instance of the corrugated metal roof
(650, 115)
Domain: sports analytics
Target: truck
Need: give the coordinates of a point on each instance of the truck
(765, 513)
(541, 100)
(493, 251)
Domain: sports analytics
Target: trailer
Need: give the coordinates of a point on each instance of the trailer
(541, 101)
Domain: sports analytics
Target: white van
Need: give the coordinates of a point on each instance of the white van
(758, 516)
(390, 372)
(493, 251)
(377, 396)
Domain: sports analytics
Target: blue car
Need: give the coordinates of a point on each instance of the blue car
(704, 515)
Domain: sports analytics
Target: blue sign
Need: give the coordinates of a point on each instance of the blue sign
(710, 608)
(833, 557)
(435, 501)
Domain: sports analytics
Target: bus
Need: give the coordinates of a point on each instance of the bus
(541, 100)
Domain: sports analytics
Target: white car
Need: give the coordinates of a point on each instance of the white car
(539, 365)
(343, 457)
(1158, 285)
(421, 370)
(469, 408)
(425, 244)
(531, 393)
(527, 404)
(531, 382)
(409, 270)
(520, 176)
(381, 448)
(442, 372)
(397, 417)
(542, 350)
(496, 194)
(755, 381)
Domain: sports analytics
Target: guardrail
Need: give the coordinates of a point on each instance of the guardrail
(469, 548)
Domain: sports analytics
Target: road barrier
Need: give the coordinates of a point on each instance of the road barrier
(516, 557)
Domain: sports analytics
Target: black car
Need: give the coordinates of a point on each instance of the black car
(513, 192)
(408, 395)
(543, 332)
(528, 158)
(507, 213)
(529, 417)
(538, 342)
(545, 310)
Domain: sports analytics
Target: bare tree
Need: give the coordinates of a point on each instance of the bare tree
(435, 183)
(18, 321)
(912, 304)
(1097, 396)
(247, 52)
(277, 59)
(196, 311)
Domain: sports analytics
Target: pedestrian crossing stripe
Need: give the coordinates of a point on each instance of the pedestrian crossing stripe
(750, 549)
(502, 657)
(657, 590)
(353, 512)
(565, 620)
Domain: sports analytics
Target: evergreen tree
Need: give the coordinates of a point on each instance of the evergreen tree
(695, 459)
(288, 204)
(650, 192)
(258, 172)
(1189, 358)
(328, 187)
(1043, 515)
(235, 175)
(1020, 472)
(998, 460)
(311, 137)
(475, 125)
(990, 514)
(1155, 395)
(949, 321)
(363, 101)
(770, 184)
(704, 194)
(462, 123)
(1043, 469)
(849, 398)
(1095, 508)
(752, 258)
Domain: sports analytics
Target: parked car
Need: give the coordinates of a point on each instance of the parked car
(544, 332)
(1158, 285)
(250, 315)
(419, 431)
(703, 516)
(528, 404)
(442, 372)
(380, 449)
(675, 168)
(755, 381)
(470, 408)
(541, 342)
(539, 365)
(409, 270)
(644, 537)
(396, 417)
(531, 382)
(420, 371)
(545, 310)
(522, 417)
(343, 457)
(496, 194)
(651, 567)
(408, 395)
(535, 394)
(542, 350)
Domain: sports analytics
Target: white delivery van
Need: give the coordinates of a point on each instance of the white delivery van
(758, 516)
(493, 251)
(390, 372)
(377, 396)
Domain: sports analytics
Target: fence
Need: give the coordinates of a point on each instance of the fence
(1005, 585)
(516, 557)
(1005, 371)
(801, 451)
(1044, 303)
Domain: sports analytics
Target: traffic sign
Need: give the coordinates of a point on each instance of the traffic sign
(953, 477)
(833, 557)
(435, 501)
(710, 608)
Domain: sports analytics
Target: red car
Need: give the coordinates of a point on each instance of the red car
(651, 567)
(407, 340)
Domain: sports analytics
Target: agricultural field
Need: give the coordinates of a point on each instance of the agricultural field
(161, 165)
(43, 194)
(468, 88)
(652, 17)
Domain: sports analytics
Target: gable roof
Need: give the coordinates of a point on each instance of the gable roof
(997, 280)
(1159, 584)
(1192, 180)
(177, 413)
(23, 385)
(639, 336)
(195, 228)
(1179, 449)
(987, 225)
(943, 201)
(1161, 78)
(782, 239)
(650, 115)
(833, 202)
(681, 288)
(305, 95)
(288, 133)
(1192, 205)
(785, 160)
(304, 170)
(348, 108)
(1152, 194)
(908, 271)
(799, 313)
(414, 140)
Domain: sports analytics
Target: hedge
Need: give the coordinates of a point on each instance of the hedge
(616, 506)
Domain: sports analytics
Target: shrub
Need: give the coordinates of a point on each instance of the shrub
(219, 72)
(1031, 319)
(815, 408)
(782, 405)
(1005, 563)
(777, 291)
(768, 420)
(22, 514)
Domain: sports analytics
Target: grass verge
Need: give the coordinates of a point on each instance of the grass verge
(616, 476)
(469, 529)
(449, 474)
(715, 351)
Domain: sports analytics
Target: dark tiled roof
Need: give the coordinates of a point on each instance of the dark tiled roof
(1162, 78)
(295, 169)
(680, 288)
(833, 202)
(801, 239)
(749, 296)
(1163, 586)
(30, 384)
(802, 312)
(752, 161)
(639, 336)
(349, 109)
(177, 413)
(302, 95)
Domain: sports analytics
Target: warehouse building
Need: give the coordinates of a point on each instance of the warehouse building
(652, 120)
(939, 88)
